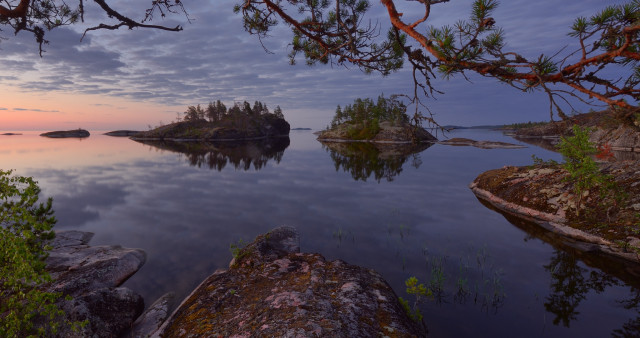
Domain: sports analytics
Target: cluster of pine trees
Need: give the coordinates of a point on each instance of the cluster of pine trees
(366, 111)
(217, 111)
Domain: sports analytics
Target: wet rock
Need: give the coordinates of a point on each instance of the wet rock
(77, 268)
(109, 312)
(92, 276)
(151, 320)
(76, 133)
(272, 290)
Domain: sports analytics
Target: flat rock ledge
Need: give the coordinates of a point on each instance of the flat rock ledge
(498, 188)
(273, 290)
(92, 276)
(458, 141)
(76, 133)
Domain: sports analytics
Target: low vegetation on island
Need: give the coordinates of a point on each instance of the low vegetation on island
(593, 196)
(217, 123)
(382, 120)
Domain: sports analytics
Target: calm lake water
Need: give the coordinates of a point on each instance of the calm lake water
(402, 215)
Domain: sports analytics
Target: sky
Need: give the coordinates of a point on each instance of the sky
(141, 78)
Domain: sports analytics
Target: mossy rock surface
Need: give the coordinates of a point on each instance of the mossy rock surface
(272, 290)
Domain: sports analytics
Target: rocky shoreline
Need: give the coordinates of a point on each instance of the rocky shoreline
(541, 194)
(270, 289)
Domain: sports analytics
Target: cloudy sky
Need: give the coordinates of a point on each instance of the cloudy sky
(132, 79)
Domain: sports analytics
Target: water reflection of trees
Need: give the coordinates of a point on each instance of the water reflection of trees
(571, 282)
(243, 155)
(382, 161)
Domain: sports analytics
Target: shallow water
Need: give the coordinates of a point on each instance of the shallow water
(412, 216)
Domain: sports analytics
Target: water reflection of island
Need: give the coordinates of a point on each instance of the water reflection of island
(216, 155)
(382, 160)
(571, 283)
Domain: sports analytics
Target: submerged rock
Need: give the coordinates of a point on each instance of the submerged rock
(272, 290)
(76, 133)
(92, 277)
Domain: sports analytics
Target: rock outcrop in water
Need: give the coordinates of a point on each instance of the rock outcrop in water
(544, 196)
(273, 290)
(92, 276)
(458, 141)
(76, 133)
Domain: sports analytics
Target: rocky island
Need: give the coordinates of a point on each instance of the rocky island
(383, 121)
(599, 209)
(75, 133)
(216, 123)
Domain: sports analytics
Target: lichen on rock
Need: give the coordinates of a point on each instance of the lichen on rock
(273, 290)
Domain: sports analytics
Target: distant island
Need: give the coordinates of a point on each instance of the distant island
(384, 121)
(121, 133)
(11, 134)
(75, 133)
(216, 123)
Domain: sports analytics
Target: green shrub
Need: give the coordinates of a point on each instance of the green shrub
(583, 171)
(25, 228)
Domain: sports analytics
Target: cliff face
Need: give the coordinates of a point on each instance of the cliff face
(258, 127)
(272, 290)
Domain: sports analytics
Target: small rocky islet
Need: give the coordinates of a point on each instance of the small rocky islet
(75, 133)
(542, 194)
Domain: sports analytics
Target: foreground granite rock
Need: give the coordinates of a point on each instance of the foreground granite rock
(76, 133)
(272, 290)
(91, 275)
(388, 133)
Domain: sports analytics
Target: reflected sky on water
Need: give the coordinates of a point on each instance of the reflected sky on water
(424, 222)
